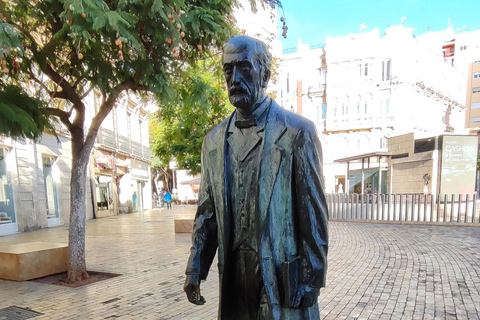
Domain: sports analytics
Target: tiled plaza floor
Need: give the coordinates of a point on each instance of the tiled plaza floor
(376, 271)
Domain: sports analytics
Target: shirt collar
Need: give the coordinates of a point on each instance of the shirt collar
(260, 115)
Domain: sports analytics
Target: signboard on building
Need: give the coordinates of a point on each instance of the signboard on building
(139, 170)
(459, 164)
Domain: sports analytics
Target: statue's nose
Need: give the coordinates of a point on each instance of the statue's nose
(236, 77)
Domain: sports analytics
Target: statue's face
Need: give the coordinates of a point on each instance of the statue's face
(242, 74)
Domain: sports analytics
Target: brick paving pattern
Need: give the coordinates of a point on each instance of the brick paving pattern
(376, 271)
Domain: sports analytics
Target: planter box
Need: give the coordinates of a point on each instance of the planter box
(25, 261)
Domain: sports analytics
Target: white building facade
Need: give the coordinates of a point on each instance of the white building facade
(363, 88)
(35, 176)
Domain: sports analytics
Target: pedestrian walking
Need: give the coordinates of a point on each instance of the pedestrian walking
(168, 199)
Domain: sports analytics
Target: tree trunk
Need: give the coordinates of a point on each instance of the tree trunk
(77, 269)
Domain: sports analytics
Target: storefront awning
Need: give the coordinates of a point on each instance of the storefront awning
(365, 156)
(47, 151)
(105, 161)
(193, 181)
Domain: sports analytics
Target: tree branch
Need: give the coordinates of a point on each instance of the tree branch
(62, 115)
(105, 109)
(45, 67)
(86, 93)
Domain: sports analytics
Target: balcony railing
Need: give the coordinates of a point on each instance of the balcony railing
(107, 138)
(123, 144)
(137, 149)
(147, 153)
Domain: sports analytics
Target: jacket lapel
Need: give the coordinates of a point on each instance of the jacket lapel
(216, 152)
(271, 158)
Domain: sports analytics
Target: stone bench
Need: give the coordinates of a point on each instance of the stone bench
(25, 261)
(183, 225)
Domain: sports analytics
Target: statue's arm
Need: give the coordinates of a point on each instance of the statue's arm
(312, 212)
(204, 237)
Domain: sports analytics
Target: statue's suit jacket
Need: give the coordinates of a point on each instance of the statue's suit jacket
(291, 211)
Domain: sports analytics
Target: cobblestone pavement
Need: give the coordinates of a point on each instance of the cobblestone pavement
(376, 271)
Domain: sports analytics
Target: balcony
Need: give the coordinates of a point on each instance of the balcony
(360, 122)
(147, 153)
(106, 138)
(123, 144)
(137, 149)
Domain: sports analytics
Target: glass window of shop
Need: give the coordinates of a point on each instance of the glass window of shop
(7, 207)
(51, 193)
(104, 193)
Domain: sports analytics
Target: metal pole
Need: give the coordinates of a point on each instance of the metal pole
(452, 208)
(395, 207)
(445, 204)
(466, 208)
(425, 201)
(412, 213)
(438, 207)
(406, 207)
(459, 207)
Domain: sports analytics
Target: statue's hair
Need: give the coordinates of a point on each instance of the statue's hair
(262, 56)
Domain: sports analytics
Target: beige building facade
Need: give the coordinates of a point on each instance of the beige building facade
(35, 175)
(473, 96)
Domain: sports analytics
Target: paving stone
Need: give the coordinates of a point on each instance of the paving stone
(376, 271)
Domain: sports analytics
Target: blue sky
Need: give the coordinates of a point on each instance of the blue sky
(314, 20)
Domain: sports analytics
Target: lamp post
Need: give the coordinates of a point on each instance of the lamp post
(173, 165)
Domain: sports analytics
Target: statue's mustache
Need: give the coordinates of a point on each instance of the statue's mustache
(238, 90)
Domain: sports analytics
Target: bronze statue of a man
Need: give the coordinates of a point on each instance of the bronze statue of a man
(261, 201)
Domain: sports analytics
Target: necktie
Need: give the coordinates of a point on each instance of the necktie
(245, 123)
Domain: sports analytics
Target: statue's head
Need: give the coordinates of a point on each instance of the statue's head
(246, 66)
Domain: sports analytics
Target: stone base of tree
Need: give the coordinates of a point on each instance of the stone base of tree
(25, 261)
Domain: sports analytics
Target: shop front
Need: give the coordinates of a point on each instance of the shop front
(367, 173)
(141, 189)
(105, 186)
(8, 218)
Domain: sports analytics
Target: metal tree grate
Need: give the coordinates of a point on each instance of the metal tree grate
(17, 313)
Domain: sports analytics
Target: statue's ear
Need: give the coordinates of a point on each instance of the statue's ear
(265, 78)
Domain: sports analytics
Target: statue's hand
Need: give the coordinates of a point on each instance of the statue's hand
(192, 288)
(305, 297)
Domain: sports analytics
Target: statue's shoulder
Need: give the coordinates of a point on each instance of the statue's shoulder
(291, 119)
(218, 131)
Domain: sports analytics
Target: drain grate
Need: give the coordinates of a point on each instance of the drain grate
(17, 313)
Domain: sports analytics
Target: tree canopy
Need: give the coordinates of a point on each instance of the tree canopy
(53, 53)
(177, 130)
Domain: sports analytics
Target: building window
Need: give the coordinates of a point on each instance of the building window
(387, 106)
(475, 105)
(476, 90)
(475, 120)
(51, 193)
(387, 70)
(318, 112)
(324, 111)
(366, 106)
(103, 190)
(476, 75)
(366, 69)
(288, 82)
(97, 100)
(7, 208)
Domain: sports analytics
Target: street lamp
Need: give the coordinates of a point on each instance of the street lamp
(173, 165)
